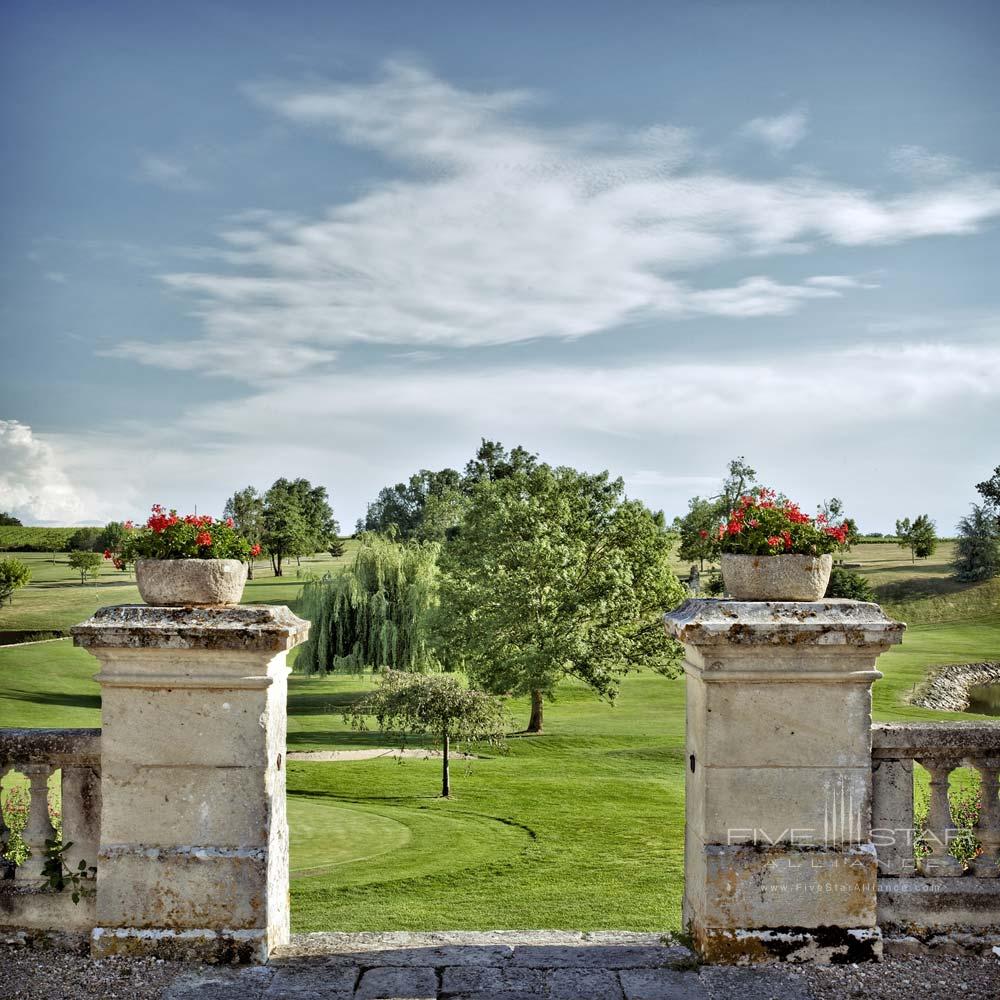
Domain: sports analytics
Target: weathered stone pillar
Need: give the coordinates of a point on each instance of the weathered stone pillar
(193, 860)
(779, 861)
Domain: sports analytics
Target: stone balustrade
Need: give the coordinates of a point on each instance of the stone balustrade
(936, 895)
(28, 906)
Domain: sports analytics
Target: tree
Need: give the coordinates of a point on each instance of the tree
(314, 505)
(435, 705)
(989, 490)
(492, 462)
(402, 506)
(8, 520)
(112, 536)
(556, 573)
(977, 550)
(85, 563)
(246, 508)
(13, 575)
(85, 540)
(286, 532)
(736, 484)
(919, 536)
(375, 613)
(699, 531)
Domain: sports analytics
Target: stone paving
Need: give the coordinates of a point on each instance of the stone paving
(541, 965)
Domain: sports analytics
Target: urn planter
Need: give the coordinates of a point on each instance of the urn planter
(190, 582)
(776, 578)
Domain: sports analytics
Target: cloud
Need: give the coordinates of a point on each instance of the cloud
(33, 485)
(781, 133)
(496, 230)
(919, 164)
(168, 173)
(57, 276)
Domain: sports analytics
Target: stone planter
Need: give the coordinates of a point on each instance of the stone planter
(776, 578)
(190, 582)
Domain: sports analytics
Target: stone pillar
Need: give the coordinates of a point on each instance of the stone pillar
(193, 859)
(779, 861)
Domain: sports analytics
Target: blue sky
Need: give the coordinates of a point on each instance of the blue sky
(346, 241)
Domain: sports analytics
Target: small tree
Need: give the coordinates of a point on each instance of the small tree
(246, 508)
(989, 490)
(13, 575)
(435, 705)
(977, 550)
(918, 536)
(286, 532)
(87, 564)
(85, 540)
(699, 531)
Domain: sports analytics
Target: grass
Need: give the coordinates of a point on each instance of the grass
(579, 828)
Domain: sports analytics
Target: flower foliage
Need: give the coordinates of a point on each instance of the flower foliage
(766, 524)
(167, 535)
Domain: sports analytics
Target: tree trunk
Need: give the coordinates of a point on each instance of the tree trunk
(250, 569)
(445, 775)
(277, 564)
(535, 722)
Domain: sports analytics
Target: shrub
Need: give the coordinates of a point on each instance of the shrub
(845, 583)
(85, 540)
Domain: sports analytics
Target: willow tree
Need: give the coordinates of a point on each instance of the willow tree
(374, 613)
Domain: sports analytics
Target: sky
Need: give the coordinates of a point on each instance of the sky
(347, 241)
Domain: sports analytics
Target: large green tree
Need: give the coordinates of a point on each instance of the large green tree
(438, 706)
(246, 508)
(918, 535)
(555, 573)
(977, 548)
(401, 507)
(374, 614)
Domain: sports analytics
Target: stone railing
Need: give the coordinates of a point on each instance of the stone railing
(936, 895)
(28, 906)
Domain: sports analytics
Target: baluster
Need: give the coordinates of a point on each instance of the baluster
(939, 823)
(988, 825)
(6, 867)
(39, 827)
(81, 813)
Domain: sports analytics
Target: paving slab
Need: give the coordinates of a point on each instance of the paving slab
(662, 984)
(600, 956)
(310, 981)
(398, 983)
(492, 981)
(584, 984)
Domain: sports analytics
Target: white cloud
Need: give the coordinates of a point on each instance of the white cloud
(499, 231)
(33, 485)
(168, 173)
(920, 164)
(781, 133)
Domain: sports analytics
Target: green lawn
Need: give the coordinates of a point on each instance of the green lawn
(579, 828)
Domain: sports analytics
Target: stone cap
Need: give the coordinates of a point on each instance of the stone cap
(948, 740)
(249, 627)
(831, 622)
(43, 746)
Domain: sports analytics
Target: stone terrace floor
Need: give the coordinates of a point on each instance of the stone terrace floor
(488, 966)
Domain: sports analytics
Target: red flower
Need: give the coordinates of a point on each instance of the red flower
(255, 550)
(107, 553)
(129, 525)
(230, 523)
(774, 541)
(703, 533)
(204, 539)
(787, 536)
